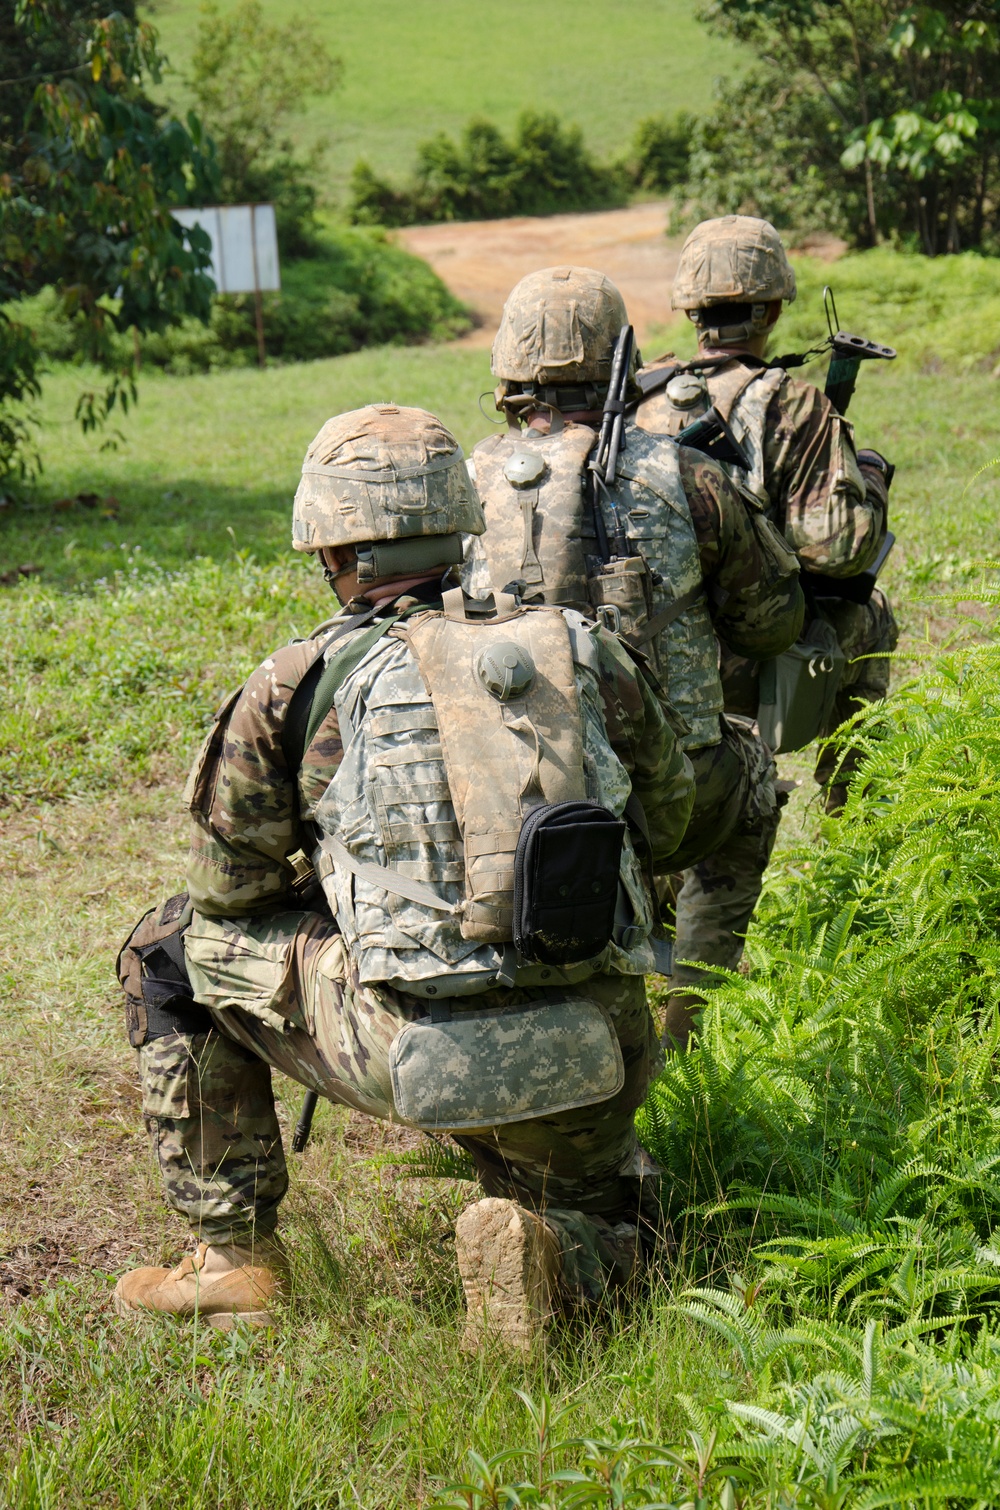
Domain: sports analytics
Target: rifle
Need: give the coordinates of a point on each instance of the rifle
(610, 444)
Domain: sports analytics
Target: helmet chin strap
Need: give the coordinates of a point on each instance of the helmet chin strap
(331, 577)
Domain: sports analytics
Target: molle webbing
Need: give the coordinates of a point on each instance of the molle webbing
(503, 758)
(539, 524)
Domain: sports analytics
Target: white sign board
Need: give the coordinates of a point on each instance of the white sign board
(244, 241)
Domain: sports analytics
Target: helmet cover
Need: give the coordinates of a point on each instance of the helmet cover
(383, 473)
(559, 325)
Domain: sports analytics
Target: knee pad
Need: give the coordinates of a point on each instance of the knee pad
(153, 975)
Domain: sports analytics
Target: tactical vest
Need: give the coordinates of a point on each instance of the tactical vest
(539, 527)
(419, 824)
(668, 620)
(741, 395)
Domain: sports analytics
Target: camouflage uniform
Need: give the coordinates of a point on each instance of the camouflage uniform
(724, 565)
(283, 991)
(804, 476)
(830, 508)
(804, 470)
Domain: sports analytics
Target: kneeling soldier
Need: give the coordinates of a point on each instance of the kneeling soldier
(472, 796)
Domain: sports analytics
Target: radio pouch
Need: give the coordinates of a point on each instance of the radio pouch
(797, 689)
(566, 869)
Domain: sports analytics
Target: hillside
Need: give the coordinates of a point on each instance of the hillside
(410, 71)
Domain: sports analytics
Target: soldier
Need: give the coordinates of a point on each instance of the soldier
(451, 968)
(694, 564)
(828, 500)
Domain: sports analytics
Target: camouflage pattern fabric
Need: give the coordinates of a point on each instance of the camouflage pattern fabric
(541, 531)
(720, 890)
(686, 519)
(559, 325)
(249, 812)
(383, 473)
(806, 472)
(737, 259)
(283, 993)
(415, 764)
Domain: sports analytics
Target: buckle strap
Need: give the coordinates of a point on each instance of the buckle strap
(386, 877)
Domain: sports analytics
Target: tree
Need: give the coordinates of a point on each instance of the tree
(249, 78)
(903, 97)
(89, 168)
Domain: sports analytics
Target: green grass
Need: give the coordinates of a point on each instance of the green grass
(112, 660)
(412, 70)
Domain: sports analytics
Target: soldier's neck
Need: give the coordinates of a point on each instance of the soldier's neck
(754, 347)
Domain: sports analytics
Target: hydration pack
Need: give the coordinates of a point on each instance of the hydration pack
(457, 728)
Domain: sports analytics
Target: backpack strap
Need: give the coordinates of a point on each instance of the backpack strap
(666, 616)
(385, 876)
(318, 687)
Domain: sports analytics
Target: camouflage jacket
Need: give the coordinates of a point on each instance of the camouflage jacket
(804, 466)
(250, 812)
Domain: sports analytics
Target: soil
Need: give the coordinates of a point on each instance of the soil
(481, 260)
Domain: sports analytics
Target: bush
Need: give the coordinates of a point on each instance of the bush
(545, 167)
(660, 150)
(358, 290)
(834, 1141)
(766, 151)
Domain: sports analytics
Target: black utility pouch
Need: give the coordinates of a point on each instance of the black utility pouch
(566, 870)
(153, 973)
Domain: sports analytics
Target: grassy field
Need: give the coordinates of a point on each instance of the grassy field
(413, 70)
(113, 657)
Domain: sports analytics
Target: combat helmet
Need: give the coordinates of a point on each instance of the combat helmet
(393, 483)
(735, 260)
(556, 339)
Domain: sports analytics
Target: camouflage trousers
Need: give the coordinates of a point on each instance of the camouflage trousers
(868, 634)
(736, 812)
(718, 893)
(281, 993)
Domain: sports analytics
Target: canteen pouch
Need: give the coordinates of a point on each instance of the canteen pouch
(797, 689)
(486, 1069)
(566, 869)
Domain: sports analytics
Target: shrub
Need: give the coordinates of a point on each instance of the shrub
(767, 151)
(358, 290)
(545, 167)
(660, 150)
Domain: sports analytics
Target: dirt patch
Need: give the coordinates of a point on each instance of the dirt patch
(481, 260)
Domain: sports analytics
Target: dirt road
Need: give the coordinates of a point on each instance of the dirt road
(481, 260)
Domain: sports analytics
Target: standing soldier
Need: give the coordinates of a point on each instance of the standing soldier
(828, 500)
(691, 563)
(411, 888)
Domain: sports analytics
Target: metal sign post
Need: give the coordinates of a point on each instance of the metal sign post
(244, 241)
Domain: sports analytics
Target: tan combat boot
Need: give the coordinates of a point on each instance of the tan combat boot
(510, 1264)
(222, 1283)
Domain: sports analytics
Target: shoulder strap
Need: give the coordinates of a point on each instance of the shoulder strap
(666, 616)
(293, 730)
(314, 696)
(654, 379)
(385, 876)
